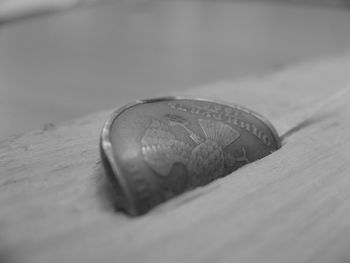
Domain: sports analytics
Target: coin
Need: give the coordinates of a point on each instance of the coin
(156, 149)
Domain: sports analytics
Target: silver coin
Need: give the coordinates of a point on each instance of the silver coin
(156, 149)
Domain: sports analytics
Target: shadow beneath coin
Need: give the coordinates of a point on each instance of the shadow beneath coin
(110, 193)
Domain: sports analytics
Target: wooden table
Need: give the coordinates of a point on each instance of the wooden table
(292, 206)
(63, 66)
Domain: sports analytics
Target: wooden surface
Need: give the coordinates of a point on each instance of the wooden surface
(67, 65)
(292, 206)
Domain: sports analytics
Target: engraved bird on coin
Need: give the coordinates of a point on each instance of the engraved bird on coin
(204, 158)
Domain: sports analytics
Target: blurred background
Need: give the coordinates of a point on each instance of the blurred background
(61, 59)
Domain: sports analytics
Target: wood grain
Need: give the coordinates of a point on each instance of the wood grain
(64, 66)
(292, 206)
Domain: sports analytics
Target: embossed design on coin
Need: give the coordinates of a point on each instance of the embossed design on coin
(205, 160)
(153, 150)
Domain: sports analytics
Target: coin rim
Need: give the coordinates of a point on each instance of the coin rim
(106, 144)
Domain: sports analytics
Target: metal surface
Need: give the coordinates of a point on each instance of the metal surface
(156, 149)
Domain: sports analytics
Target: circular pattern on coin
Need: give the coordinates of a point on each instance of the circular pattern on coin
(156, 149)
